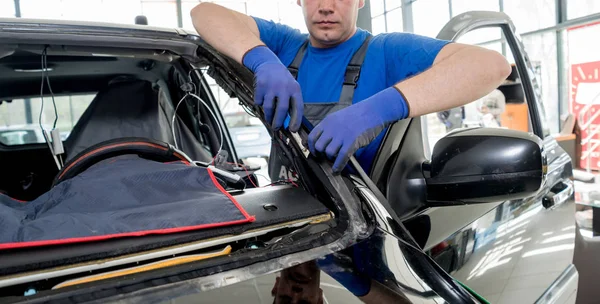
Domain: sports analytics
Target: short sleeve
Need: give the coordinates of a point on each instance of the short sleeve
(409, 54)
(282, 39)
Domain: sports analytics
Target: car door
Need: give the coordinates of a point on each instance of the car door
(508, 251)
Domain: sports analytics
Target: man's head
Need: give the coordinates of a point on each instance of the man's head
(298, 285)
(330, 22)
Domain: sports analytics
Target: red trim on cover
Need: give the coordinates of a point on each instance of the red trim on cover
(14, 199)
(118, 235)
(179, 162)
(244, 213)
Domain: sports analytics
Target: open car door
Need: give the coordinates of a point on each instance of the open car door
(451, 185)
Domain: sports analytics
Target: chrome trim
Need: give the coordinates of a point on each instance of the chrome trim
(163, 253)
(558, 288)
(469, 21)
(564, 195)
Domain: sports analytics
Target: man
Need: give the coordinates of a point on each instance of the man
(301, 284)
(402, 75)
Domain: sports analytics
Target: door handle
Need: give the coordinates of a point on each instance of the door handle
(559, 194)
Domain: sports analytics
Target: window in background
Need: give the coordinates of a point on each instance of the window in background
(120, 11)
(394, 20)
(461, 6)
(41, 9)
(16, 128)
(541, 50)
(281, 11)
(581, 8)
(378, 25)
(482, 35)
(162, 13)
(291, 14)
(531, 15)
(78, 10)
(377, 7)
(430, 16)
(186, 9)
(392, 4)
(7, 8)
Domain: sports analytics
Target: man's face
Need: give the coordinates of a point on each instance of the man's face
(298, 285)
(330, 22)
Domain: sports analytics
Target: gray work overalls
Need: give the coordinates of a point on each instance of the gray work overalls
(315, 112)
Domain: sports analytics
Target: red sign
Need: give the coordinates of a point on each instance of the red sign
(585, 92)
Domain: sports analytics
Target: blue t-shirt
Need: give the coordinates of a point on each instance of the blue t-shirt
(390, 58)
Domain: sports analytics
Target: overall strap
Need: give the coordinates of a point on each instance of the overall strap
(353, 73)
(352, 70)
(295, 65)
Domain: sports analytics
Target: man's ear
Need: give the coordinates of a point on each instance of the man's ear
(361, 3)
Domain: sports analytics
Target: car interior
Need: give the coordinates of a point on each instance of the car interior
(136, 94)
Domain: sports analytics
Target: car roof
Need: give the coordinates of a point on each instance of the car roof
(117, 27)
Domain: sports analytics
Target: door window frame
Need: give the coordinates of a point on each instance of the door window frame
(466, 22)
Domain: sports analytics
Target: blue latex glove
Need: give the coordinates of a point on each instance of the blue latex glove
(357, 266)
(275, 89)
(341, 268)
(342, 133)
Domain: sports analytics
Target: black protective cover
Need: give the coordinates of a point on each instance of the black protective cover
(132, 108)
(292, 204)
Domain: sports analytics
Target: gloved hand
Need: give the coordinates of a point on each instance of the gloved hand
(275, 89)
(342, 133)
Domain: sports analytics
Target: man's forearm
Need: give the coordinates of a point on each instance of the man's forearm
(230, 32)
(462, 75)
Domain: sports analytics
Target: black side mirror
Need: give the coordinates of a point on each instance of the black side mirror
(483, 165)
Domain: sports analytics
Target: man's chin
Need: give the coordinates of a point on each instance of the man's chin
(327, 38)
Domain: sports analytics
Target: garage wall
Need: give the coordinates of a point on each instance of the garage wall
(542, 25)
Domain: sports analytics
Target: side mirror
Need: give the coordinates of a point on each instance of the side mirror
(484, 165)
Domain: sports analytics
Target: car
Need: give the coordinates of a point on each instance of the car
(20, 135)
(249, 135)
(486, 214)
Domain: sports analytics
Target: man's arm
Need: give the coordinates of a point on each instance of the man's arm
(237, 36)
(228, 31)
(460, 74)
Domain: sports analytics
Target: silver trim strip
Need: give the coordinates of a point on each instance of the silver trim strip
(14, 280)
(559, 286)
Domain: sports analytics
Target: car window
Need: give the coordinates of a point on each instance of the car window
(250, 137)
(504, 107)
(20, 118)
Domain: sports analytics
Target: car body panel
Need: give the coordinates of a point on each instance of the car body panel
(511, 251)
(398, 262)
